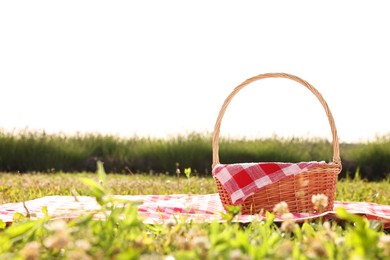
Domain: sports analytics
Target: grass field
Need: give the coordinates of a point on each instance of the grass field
(123, 236)
(19, 187)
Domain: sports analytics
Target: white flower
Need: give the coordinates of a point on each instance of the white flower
(288, 226)
(287, 216)
(236, 254)
(281, 208)
(320, 201)
(340, 241)
(384, 242)
(31, 251)
(83, 244)
(201, 242)
(288, 223)
(326, 225)
(61, 235)
(56, 225)
(57, 241)
(78, 255)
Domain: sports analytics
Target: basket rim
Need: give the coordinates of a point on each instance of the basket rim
(275, 162)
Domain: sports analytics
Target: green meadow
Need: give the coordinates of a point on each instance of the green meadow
(123, 235)
(21, 187)
(34, 165)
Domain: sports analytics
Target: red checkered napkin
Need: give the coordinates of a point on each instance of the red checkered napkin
(242, 180)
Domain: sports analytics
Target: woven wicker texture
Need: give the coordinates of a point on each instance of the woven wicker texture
(296, 190)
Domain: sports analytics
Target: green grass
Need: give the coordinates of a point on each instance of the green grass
(39, 152)
(359, 190)
(18, 187)
(122, 235)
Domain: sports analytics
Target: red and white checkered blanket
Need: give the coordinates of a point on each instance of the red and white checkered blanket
(167, 208)
(242, 180)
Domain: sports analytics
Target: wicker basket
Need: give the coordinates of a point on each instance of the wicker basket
(296, 190)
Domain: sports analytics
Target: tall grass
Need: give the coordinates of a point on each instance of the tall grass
(38, 152)
(373, 158)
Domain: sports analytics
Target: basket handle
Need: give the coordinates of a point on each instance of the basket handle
(215, 144)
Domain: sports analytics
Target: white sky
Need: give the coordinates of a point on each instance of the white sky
(161, 68)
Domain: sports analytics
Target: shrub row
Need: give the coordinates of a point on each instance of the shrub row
(39, 152)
